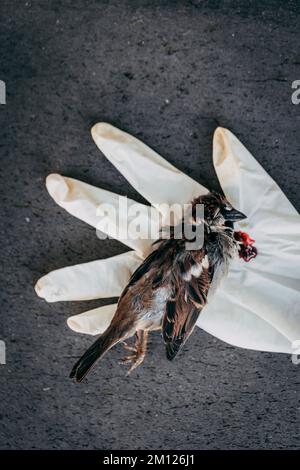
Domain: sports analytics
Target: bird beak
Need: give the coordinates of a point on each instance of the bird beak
(234, 215)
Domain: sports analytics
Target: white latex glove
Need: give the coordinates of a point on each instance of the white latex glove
(257, 306)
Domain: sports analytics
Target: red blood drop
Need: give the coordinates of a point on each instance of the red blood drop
(246, 249)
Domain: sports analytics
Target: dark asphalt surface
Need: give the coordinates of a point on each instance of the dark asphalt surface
(169, 73)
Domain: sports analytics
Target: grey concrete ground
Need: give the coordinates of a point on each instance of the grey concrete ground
(168, 72)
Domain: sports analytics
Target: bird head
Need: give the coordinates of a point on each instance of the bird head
(217, 210)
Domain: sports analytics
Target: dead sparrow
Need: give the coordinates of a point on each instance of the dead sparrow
(169, 290)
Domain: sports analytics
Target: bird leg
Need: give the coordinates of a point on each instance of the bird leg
(139, 350)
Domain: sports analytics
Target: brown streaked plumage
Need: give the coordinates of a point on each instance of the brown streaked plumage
(170, 288)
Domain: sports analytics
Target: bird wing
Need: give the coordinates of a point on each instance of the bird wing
(157, 260)
(183, 309)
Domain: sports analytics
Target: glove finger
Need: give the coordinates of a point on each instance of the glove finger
(152, 176)
(92, 322)
(247, 185)
(117, 216)
(102, 278)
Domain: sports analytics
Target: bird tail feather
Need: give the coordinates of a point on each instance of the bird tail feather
(83, 366)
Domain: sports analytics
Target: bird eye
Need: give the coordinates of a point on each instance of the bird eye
(227, 208)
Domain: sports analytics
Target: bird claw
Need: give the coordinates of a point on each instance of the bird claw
(139, 358)
(136, 360)
(139, 352)
(127, 359)
(129, 348)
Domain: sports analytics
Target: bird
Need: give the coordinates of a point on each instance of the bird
(171, 287)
